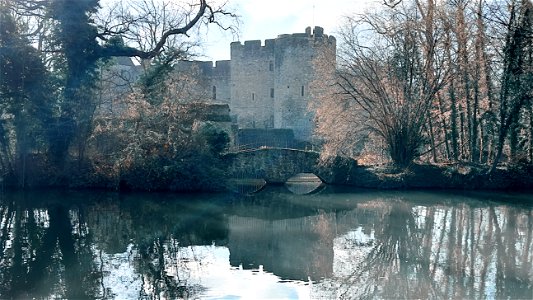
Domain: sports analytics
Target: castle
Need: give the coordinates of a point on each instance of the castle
(268, 86)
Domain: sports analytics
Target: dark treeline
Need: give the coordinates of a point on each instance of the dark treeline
(55, 60)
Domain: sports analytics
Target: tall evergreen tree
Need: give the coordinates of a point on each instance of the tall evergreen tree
(24, 96)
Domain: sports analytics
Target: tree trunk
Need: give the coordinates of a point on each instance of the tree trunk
(432, 140)
(516, 74)
(531, 133)
(484, 80)
(445, 128)
(462, 42)
(5, 152)
(475, 147)
(513, 142)
(463, 135)
(453, 121)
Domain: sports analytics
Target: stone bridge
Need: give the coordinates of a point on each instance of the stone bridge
(277, 165)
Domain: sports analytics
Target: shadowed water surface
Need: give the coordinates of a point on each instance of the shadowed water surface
(336, 244)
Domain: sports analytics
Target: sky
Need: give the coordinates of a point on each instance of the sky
(266, 19)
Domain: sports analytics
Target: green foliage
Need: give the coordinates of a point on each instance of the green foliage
(152, 82)
(196, 167)
(215, 139)
(160, 146)
(75, 35)
(25, 96)
(54, 108)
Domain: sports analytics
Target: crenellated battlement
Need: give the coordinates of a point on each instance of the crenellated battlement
(222, 67)
(316, 36)
(207, 68)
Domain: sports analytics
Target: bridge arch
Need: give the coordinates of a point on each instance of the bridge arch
(275, 165)
(304, 183)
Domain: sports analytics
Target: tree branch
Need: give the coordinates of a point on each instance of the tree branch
(204, 10)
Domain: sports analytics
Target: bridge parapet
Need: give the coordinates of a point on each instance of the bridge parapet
(277, 165)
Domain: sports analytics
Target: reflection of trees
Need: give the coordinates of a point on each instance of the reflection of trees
(65, 250)
(395, 266)
(454, 250)
(163, 234)
(514, 274)
(165, 270)
(457, 251)
(45, 252)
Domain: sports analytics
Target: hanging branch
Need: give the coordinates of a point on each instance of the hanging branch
(205, 12)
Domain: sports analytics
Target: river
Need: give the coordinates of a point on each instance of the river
(334, 244)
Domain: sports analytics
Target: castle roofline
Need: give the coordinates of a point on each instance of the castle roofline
(316, 33)
(206, 66)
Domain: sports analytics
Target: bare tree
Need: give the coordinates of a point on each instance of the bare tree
(144, 23)
(517, 73)
(159, 26)
(392, 75)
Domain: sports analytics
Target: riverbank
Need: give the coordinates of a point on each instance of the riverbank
(343, 172)
(450, 176)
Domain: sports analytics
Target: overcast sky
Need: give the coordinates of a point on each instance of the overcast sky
(266, 19)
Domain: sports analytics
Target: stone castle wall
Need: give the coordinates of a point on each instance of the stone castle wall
(268, 85)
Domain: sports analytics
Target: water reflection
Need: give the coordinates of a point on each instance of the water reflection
(304, 183)
(276, 244)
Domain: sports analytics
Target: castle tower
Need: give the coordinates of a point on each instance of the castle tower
(252, 83)
(270, 83)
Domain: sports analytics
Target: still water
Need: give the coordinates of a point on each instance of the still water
(335, 244)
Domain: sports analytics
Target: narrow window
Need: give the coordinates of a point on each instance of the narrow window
(214, 92)
(253, 96)
(271, 66)
(271, 93)
(302, 90)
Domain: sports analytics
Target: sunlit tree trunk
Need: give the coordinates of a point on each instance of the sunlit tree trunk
(444, 127)
(453, 103)
(486, 89)
(461, 29)
(464, 135)
(428, 44)
(478, 95)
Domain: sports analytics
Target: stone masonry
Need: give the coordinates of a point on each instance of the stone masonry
(268, 85)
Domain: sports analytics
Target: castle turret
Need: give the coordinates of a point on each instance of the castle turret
(267, 84)
(252, 79)
(270, 83)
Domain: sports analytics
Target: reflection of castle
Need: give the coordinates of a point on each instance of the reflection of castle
(294, 249)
